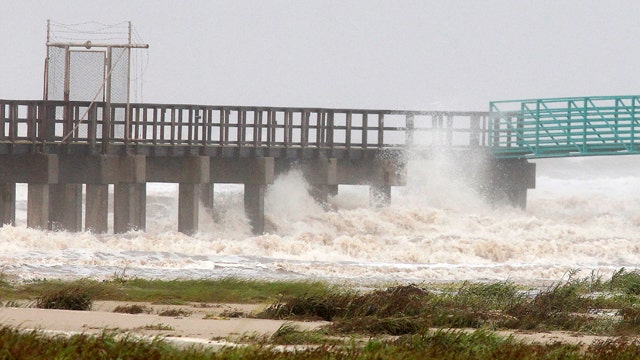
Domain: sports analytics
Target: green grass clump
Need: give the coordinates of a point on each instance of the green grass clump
(72, 297)
(406, 300)
(550, 309)
(627, 282)
(389, 311)
(493, 295)
(290, 334)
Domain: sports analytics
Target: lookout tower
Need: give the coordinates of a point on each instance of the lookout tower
(92, 62)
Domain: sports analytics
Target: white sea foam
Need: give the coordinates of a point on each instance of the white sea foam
(436, 229)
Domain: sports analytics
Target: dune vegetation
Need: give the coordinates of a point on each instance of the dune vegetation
(468, 320)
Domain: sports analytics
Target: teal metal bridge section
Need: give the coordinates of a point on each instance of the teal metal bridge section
(561, 127)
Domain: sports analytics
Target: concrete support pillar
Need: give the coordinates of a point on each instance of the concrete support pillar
(65, 207)
(509, 180)
(207, 196)
(322, 175)
(380, 195)
(97, 208)
(38, 206)
(319, 192)
(254, 206)
(38, 171)
(188, 205)
(129, 207)
(8, 204)
(518, 197)
(130, 194)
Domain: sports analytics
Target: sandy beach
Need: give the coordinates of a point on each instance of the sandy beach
(199, 323)
(203, 324)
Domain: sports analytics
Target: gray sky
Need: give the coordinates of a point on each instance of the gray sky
(425, 55)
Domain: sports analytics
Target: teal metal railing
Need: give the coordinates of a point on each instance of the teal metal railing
(584, 126)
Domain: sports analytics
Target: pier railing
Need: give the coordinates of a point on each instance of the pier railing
(511, 129)
(43, 124)
(603, 125)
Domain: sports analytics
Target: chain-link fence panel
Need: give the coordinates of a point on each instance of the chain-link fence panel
(56, 57)
(86, 75)
(119, 74)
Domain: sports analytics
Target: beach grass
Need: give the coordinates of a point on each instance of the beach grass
(440, 321)
(439, 344)
(588, 305)
(226, 290)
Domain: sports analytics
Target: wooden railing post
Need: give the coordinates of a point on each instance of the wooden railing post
(106, 128)
(330, 128)
(304, 128)
(92, 123)
(49, 126)
(3, 119)
(365, 130)
(321, 132)
(449, 130)
(32, 124)
(381, 131)
(347, 135)
(13, 122)
(257, 127)
(474, 131)
(410, 127)
(242, 127)
(173, 125)
(224, 127)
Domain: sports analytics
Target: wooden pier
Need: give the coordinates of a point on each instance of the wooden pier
(56, 147)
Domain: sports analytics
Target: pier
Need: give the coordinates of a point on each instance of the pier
(63, 149)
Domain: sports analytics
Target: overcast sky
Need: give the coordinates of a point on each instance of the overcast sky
(423, 55)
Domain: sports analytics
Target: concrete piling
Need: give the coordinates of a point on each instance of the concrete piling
(129, 207)
(96, 208)
(380, 195)
(322, 176)
(254, 206)
(188, 208)
(509, 179)
(207, 197)
(7, 203)
(38, 206)
(65, 207)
